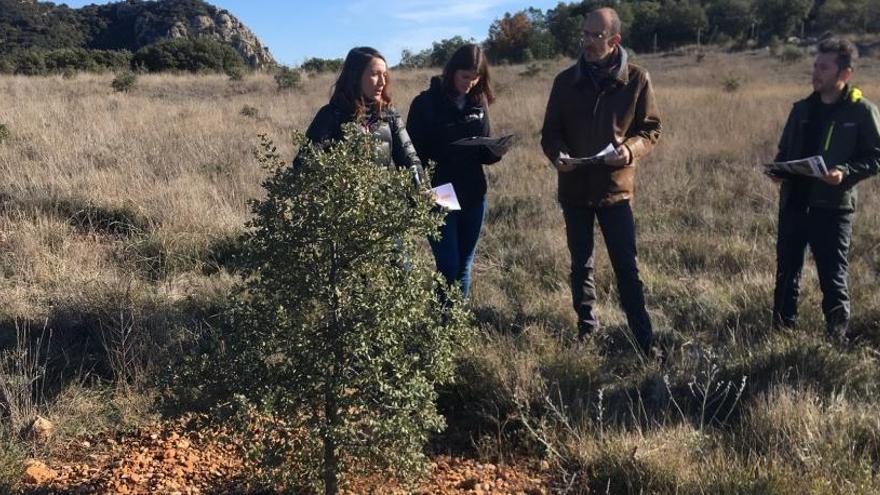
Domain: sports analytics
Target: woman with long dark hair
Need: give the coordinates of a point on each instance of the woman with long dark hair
(362, 95)
(455, 107)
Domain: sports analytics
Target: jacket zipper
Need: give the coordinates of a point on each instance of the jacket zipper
(828, 136)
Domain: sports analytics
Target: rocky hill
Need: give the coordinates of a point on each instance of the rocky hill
(129, 25)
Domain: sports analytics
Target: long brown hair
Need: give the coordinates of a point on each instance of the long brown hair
(347, 91)
(470, 57)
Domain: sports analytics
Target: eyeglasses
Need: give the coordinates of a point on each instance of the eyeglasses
(589, 35)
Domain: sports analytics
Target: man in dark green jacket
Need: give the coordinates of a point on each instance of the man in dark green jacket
(839, 124)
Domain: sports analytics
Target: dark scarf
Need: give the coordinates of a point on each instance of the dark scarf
(601, 72)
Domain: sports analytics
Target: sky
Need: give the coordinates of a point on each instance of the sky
(296, 30)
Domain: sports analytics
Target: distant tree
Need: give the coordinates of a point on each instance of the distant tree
(541, 43)
(442, 50)
(683, 22)
(436, 56)
(315, 64)
(646, 25)
(111, 59)
(513, 34)
(564, 23)
(415, 60)
(288, 78)
(781, 18)
(732, 18)
(31, 63)
(192, 55)
(848, 16)
(124, 82)
(668, 24)
(78, 59)
(509, 36)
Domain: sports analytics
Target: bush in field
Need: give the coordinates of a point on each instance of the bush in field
(4, 133)
(124, 82)
(236, 73)
(532, 70)
(287, 79)
(791, 54)
(338, 329)
(732, 83)
(249, 111)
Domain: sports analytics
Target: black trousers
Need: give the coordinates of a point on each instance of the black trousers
(828, 233)
(619, 230)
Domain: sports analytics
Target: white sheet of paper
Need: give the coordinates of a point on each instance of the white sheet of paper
(444, 195)
(609, 151)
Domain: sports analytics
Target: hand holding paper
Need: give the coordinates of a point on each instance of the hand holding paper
(610, 152)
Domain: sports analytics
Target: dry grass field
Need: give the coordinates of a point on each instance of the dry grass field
(118, 214)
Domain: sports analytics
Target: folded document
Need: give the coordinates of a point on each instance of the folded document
(813, 166)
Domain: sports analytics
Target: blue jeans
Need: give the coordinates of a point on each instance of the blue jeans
(619, 230)
(454, 251)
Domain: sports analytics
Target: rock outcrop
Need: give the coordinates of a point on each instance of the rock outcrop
(225, 28)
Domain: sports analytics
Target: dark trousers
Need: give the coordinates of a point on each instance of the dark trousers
(828, 233)
(454, 251)
(619, 230)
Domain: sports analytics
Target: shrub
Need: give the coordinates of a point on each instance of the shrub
(532, 70)
(338, 330)
(249, 111)
(732, 83)
(791, 54)
(31, 63)
(4, 133)
(236, 73)
(287, 79)
(124, 82)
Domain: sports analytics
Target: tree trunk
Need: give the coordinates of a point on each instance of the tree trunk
(331, 461)
(331, 406)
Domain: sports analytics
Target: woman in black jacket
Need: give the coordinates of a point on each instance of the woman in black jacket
(362, 94)
(453, 108)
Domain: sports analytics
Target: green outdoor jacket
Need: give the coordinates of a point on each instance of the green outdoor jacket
(850, 143)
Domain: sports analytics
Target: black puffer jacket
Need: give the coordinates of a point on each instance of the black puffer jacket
(433, 123)
(395, 145)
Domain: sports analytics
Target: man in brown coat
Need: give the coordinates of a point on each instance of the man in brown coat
(602, 100)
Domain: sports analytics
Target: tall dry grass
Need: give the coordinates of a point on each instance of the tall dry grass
(118, 214)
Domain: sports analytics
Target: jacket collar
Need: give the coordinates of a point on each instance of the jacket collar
(439, 92)
(620, 76)
(851, 94)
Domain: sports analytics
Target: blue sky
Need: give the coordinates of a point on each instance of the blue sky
(296, 30)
